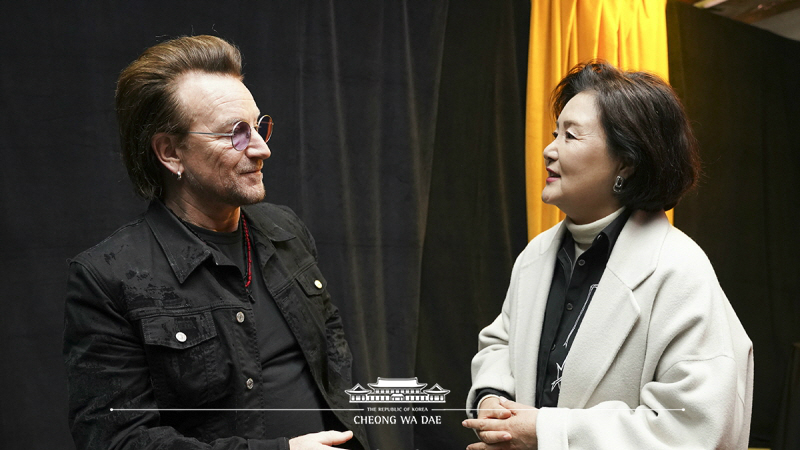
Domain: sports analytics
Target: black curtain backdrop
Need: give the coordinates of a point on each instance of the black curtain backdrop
(399, 139)
(741, 87)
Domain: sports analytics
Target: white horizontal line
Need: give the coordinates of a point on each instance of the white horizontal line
(362, 409)
(576, 409)
(226, 409)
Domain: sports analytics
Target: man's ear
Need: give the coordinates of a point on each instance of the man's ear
(165, 146)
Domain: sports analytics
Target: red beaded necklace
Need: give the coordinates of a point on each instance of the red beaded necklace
(249, 253)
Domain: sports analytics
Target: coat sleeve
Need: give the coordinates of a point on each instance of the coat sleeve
(491, 366)
(106, 369)
(697, 392)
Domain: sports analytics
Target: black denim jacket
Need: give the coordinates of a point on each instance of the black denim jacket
(153, 322)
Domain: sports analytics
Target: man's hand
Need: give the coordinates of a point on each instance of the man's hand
(517, 432)
(319, 441)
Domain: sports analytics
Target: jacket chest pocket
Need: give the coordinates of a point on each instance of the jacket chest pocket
(186, 359)
(312, 292)
(311, 281)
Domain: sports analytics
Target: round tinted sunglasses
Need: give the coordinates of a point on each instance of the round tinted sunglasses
(240, 136)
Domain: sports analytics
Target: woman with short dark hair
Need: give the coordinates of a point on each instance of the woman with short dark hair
(615, 332)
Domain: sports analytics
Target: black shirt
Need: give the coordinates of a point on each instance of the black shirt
(574, 283)
(284, 368)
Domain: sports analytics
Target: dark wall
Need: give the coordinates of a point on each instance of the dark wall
(398, 139)
(741, 86)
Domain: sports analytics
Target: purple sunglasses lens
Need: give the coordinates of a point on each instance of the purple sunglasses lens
(241, 136)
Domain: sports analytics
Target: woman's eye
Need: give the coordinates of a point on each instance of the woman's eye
(555, 134)
(569, 135)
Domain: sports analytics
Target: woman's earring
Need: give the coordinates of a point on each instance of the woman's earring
(179, 175)
(619, 184)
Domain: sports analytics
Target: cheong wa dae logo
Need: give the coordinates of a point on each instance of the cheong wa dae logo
(397, 390)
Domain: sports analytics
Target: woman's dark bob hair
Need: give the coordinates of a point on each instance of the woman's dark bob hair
(646, 128)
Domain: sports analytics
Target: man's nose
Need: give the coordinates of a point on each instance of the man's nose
(257, 147)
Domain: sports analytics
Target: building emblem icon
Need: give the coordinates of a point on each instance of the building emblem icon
(397, 390)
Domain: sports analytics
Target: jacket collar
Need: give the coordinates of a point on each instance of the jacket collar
(185, 251)
(638, 248)
(636, 251)
(264, 226)
(264, 233)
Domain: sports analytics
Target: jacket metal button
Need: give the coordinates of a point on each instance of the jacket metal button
(581, 262)
(240, 317)
(180, 337)
(569, 306)
(318, 284)
(249, 383)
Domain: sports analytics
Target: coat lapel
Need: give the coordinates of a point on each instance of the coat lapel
(613, 311)
(535, 276)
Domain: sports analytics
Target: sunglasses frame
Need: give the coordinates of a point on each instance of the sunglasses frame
(232, 134)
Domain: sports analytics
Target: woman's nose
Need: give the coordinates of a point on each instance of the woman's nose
(550, 153)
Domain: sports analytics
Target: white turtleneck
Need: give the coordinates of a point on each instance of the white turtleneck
(584, 234)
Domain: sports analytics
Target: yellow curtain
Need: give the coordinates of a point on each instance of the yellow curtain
(631, 34)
